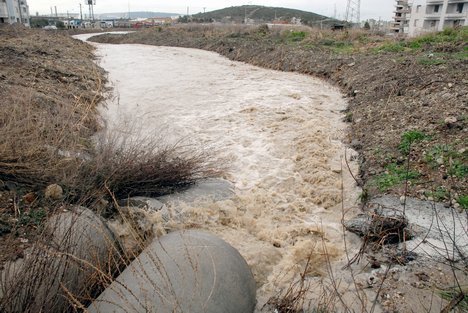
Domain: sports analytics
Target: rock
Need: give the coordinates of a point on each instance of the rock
(402, 200)
(380, 224)
(76, 247)
(185, 271)
(214, 189)
(450, 120)
(146, 203)
(54, 192)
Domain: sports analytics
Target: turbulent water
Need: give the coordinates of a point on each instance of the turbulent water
(280, 133)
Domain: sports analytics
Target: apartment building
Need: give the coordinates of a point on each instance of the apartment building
(401, 18)
(415, 17)
(14, 11)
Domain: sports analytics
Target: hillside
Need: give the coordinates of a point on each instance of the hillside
(136, 14)
(260, 14)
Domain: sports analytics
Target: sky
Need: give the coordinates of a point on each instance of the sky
(369, 8)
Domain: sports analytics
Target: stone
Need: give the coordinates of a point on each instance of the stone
(185, 271)
(54, 192)
(450, 120)
(380, 224)
(214, 189)
(76, 247)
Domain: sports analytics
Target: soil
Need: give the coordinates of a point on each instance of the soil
(389, 93)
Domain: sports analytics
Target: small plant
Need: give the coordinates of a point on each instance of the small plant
(439, 194)
(394, 175)
(456, 295)
(431, 61)
(33, 217)
(408, 138)
(463, 201)
(296, 36)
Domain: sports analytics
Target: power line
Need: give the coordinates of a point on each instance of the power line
(353, 11)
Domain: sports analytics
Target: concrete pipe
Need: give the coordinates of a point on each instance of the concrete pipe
(184, 272)
(72, 258)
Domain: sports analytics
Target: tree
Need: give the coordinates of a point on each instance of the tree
(366, 25)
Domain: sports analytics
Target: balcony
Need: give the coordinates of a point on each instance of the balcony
(435, 1)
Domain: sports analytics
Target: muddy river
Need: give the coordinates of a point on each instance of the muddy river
(280, 135)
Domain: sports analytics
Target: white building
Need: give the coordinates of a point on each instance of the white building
(415, 17)
(435, 15)
(14, 11)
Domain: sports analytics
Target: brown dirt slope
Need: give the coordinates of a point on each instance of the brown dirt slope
(405, 97)
(49, 90)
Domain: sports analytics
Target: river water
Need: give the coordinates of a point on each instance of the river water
(280, 133)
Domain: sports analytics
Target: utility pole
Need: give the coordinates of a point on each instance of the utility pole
(353, 11)
(204, 10)
(188, 11)
(129, 10)
(56, 15)
(81, 13)
(334, 12)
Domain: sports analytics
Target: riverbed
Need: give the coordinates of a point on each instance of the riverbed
(279, 135)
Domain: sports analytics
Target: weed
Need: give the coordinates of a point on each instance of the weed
(439, 194)
(454, 293)
(463, 201)
(431, 61)
(391, 47)
(408, 138)
(296, 36)
(393, 176)
(33, 217)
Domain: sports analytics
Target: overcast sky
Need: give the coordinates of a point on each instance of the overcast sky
(369, 8)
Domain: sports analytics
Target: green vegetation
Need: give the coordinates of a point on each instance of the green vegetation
(463, 201)
(439, 194)
(446, 155)
(430, 42)
(431, 61)
(452, 293)
(408, 138)
(33, 217)
(394, 175)
(296, 36)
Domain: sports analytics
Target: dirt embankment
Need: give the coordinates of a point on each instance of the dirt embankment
(49, 91)
(405, 97)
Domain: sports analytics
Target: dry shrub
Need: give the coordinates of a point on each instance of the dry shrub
(140, 167)
(37, 137)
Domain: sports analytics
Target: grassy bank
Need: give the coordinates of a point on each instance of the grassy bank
(407, 98)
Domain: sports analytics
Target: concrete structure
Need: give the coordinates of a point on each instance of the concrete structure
(76, 251)
(186, 271)
(14, 11)
(415, 17)
(402, 11)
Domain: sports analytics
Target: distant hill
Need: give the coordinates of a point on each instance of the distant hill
(133, 15)
(260, 14)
